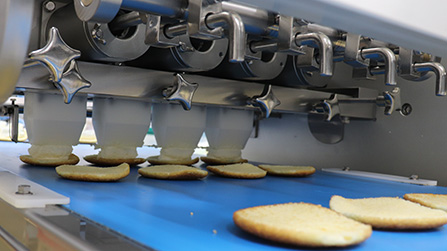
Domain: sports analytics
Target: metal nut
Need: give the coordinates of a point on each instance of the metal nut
(24, 190)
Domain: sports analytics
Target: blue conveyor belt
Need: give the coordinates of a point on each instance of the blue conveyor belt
(197, 215)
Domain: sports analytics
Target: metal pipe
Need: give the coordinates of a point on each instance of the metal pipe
(325, 45)
(256, 21)
(236, 33)
(127, 20)
(390, 62)
(440, 72)
(172, 31)
(168, 8)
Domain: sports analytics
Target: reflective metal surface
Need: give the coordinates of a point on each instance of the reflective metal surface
(13, 42)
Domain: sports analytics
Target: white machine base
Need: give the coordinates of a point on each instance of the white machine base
(40, 197)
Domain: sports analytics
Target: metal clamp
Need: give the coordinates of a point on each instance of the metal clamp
(182, 91)
(72, 81)
(56, 55)
(267, 101)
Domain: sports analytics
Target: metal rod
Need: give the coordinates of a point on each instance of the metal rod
(172, 31)
(127, 20)
(168, 8)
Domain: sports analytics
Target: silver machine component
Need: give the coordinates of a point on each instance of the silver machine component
(13, 42)
(99, 41)
(190, 55)
(281, 70)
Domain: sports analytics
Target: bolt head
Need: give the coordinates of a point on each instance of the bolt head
(50, 6)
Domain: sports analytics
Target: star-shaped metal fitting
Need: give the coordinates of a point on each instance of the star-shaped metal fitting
(267, 101)
(331, 107)
(182, 91)
(55, 55)
(71, 82)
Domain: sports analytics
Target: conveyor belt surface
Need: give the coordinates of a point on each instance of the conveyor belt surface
(197, 215)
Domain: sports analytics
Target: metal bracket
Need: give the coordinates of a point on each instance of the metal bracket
(155, 35)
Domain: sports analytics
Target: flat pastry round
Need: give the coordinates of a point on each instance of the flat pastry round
(297, 171)
(221, 161)
(155, 161)
(112, 162)
(241, 171)
(28, 159)
(173, 172)
(435, 201)
(93, 173)
(302, 224)
(389, 212)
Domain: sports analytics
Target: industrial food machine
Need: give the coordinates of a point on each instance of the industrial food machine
(354, 88)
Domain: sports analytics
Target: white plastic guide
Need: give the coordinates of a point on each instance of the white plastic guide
(40, 197)
(381, 176)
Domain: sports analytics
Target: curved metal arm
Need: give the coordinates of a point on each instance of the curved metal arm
(440, 72)
(390, 62)
(236, 32)
(326, 51)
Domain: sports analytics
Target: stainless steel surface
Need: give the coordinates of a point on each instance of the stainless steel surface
(182, 91)
(72, 81)
(149, 84)
(191, 55)
(383, 20)
(267, 101)
(390, 62)
(56, 55)
(13, 42)
(125, 21)
(101, 11)
(235, 30)
(96, 40)
(56, 228)
(325, 49)
(256, 21)
(440, 72)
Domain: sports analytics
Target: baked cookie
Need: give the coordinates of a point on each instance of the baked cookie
(173, 172)
(94, 159)
(241, 171)
(297, 171)
(436, 201)
(92, 173)
(28, 159)
(221, 161)
(155, 161)
(302, 224)
(389, 213)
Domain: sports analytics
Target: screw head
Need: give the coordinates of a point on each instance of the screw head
(406, 109)
(50, 6)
